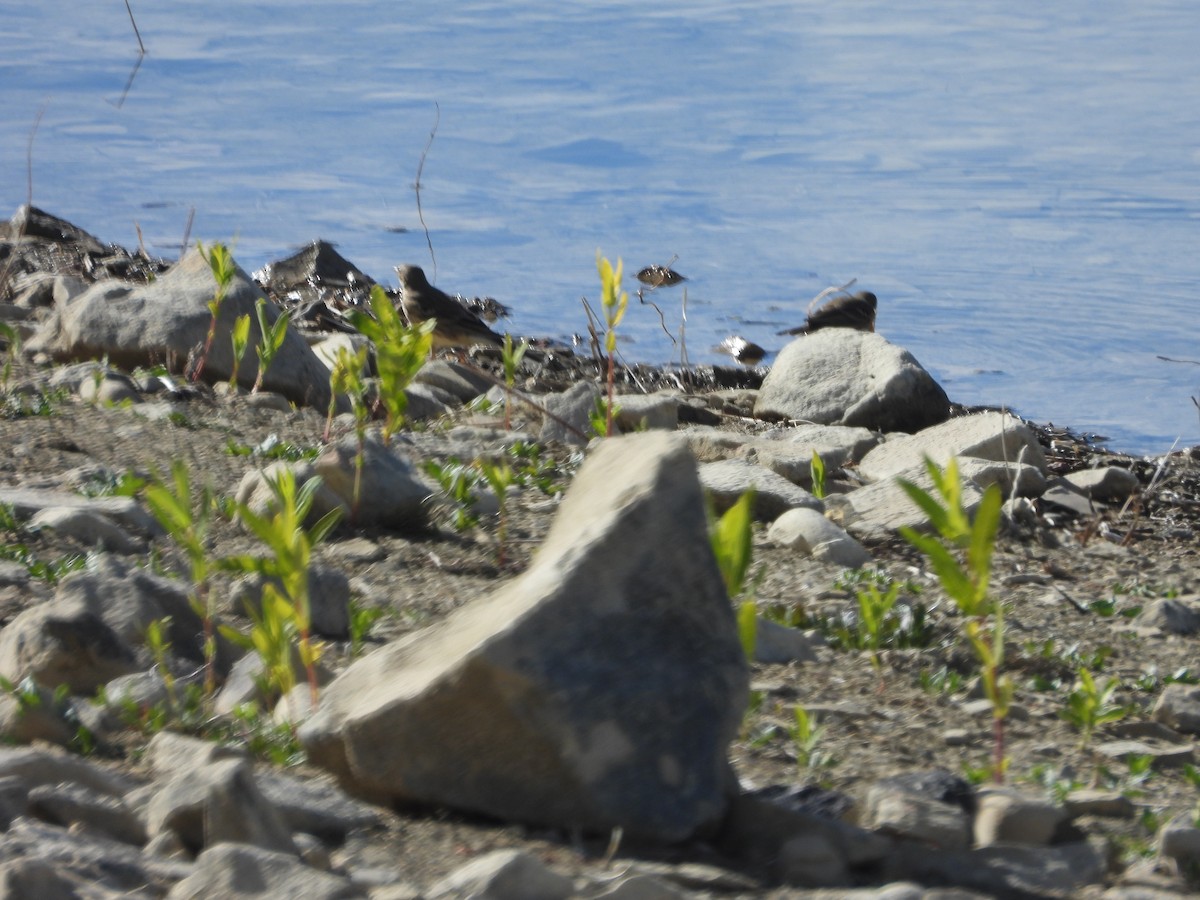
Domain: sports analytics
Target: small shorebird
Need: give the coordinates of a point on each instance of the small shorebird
(457, 326)
(855, 311)
(746, 352)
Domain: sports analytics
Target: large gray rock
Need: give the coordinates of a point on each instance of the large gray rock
(599, 689)
(216, 803)
(391, 494)
(63, 642)
(142, 325)
(993, 436)
(843, 377)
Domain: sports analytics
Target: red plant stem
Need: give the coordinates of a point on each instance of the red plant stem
(310, 670)
(608, 428)
(212, 333)
(998, 750)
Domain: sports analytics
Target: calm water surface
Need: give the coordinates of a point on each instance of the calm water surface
(1019, 182)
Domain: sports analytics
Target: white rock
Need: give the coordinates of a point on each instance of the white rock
(809, 532)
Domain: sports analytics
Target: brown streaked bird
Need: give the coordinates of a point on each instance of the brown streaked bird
(456, 325)
(855, 311)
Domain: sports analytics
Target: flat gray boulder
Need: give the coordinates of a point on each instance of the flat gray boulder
(774, 495)
(839, 376)
(143, 325)
(599, 689)
(994, 436)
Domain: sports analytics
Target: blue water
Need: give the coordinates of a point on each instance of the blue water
(1019, 182)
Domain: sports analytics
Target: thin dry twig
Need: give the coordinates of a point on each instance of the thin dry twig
(141, 46)
(593, 331)
(524, 398)
(1137, 512)
(12, 257)
(187, 232)
(684, 362)
(417, 186)
(37, 120)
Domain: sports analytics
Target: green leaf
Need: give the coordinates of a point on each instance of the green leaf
(733, 543)
(747, 623)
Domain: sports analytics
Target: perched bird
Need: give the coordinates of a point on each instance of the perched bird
(659, 276)
(456, 326)
(746, 352)
(855, 311)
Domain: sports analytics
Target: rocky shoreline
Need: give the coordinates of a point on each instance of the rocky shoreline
(537, 687)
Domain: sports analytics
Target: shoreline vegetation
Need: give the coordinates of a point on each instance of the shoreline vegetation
(286, 598)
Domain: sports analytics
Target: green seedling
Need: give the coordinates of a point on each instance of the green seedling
(270, 340)
(291, 546)
(275, 742)
(362, 621)
(1090, 705)
(874, 610)
(511, 356)
(614, 301)
(274, 633)
(732, 540)
(240, 339)
(160, 646)
(12, 345)
(944, 681)
(186, 518)
(220, 261)
(108, 484)
(601, 416)
(273, 448)
(533, 470)
(500, 477)
(816, 470)
(400, 352)
(346, 378)
(961, 557)
(806, 733)
(458, 482)
(1057, 787)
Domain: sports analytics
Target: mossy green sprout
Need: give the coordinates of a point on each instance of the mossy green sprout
(614, 301)
(186, 516)
(271, 340)
(1090, 705)
(500, 477)
(291, 546)
(961, 557)
(346, 378)
(816, 469)
(220, 261)
(511, 356)
(239, 337)
(732, 540)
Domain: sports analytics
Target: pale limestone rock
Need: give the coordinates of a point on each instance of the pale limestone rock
(838, 376)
